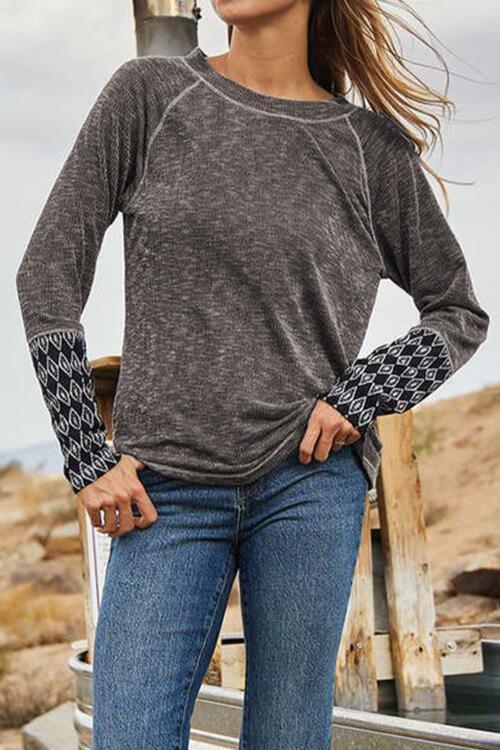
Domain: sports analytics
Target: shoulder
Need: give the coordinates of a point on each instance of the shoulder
(379, 131)
(145, 76)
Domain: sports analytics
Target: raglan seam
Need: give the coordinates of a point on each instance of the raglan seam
(337, 179)
(130, 202)
(365, 175)
(384, 270)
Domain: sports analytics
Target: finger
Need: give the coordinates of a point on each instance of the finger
(95, 516)
(353, 436)
(110, 519)
(126, 519)
(323, 445)
(306, 447)
(341, 437)
(91, 505)
(147, 510)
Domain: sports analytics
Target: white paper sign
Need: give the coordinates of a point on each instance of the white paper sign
(98, 546)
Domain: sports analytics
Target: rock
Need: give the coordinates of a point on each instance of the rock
(466, 609)
(442, 593)
(59, 509)
(64, 539)
(10, 739)
(33, 681)
(40, 530)
(31, 551)
(27, 497)
(30, 618)
(49, 575)
(53, 730)
(478, 573)
(10, 516)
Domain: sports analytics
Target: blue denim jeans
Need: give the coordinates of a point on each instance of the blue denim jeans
(294, 536)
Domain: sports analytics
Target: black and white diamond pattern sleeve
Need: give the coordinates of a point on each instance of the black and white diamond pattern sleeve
(393, 378)
(64, 374)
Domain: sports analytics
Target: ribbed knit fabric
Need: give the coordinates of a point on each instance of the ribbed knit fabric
(256, 232)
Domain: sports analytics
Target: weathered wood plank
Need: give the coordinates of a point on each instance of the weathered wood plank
(105, 371)
(355, 678)
(459, 652)
(410, 601)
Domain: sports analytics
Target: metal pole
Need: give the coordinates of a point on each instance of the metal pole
(166, 27)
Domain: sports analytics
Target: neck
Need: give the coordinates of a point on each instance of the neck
(272, 58)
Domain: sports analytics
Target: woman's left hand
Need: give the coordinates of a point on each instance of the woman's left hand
(327, 430)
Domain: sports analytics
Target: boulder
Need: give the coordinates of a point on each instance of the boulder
(48, 575)
(29, 617)
(64, 539)
(31, 551)
(466, 609)
(33, 681)
(53, 730)
(479, 574)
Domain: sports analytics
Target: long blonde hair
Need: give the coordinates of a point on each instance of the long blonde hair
(350, 42)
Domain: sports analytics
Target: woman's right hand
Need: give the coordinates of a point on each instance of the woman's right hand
(113, 494)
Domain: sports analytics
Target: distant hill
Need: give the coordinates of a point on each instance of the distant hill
(43, 457)
(458, 447)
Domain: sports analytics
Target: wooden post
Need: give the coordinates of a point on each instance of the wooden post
(410, 601)
(356, 675)
(105, 373)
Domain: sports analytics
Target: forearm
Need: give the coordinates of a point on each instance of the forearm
(393, 378)
(64, 374)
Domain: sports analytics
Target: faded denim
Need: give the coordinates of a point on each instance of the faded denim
(293, 535)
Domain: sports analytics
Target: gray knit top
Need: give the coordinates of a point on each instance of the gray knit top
(256, 231)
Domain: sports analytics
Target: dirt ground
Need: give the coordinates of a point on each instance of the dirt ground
(458, 448)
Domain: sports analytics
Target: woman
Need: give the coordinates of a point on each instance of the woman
(261, 209)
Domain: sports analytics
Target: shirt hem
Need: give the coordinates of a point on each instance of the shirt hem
(290, 443)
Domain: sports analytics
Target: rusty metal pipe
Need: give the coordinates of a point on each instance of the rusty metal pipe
(165, 27)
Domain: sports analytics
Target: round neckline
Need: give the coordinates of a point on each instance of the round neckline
(197, 59)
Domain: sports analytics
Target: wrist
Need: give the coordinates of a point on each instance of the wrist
(82, 467)
(130, 460)
(350, 410)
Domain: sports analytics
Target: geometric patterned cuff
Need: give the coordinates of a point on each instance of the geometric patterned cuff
(64, 374)
(393, 378)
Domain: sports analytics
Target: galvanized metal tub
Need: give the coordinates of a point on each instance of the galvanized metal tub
(218, 713)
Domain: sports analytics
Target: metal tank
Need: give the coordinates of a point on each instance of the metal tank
(472, 721)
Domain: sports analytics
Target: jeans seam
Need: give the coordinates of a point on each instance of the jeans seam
(223, 580)
(239, 501)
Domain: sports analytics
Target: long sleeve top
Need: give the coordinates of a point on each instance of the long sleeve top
(256, 231)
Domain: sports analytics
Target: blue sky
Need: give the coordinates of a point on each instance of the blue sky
(55, 57)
